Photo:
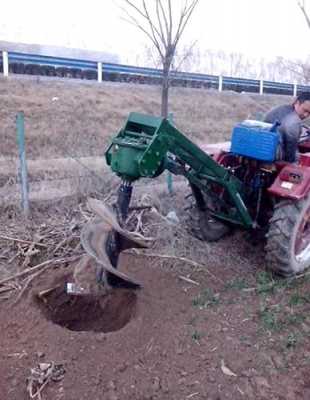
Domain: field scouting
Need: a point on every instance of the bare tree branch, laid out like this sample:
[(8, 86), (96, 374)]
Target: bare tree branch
[(185, 55), (159, 9), (159, 6), (187, 12), (155, 32), (132, 20), (157, 24), (146, 16), (170, 20), (301, 5)]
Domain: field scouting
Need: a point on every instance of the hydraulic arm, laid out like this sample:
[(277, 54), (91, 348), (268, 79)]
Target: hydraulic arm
[(146, 146)]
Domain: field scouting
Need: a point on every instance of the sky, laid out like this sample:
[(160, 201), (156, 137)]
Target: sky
[(256, 28)]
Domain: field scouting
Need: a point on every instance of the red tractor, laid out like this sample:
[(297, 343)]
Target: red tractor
[(239, 183)]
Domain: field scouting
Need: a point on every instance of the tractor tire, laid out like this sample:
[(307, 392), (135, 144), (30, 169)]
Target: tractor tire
[(204, 227), (212, 229), (288, 239)]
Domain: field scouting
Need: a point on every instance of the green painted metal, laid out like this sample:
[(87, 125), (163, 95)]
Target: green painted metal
[(124, 155), (141, 149), (169, 175)]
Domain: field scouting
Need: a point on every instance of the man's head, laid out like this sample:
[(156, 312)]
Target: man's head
[(302, 105)]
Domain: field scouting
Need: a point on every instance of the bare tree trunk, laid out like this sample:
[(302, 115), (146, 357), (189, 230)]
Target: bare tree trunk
[(165, 91), (164, 98)]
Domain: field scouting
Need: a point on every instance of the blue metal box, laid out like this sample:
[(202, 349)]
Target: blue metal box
[(256, 140)]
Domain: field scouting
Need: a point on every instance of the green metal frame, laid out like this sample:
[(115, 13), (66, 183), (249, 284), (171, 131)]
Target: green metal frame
[(148, 145)]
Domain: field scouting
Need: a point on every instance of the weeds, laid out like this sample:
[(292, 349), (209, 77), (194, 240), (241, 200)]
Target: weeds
[(245, 340), (275, 320), (281, 317), (193, 321), (295, 319), (292, 340), (270, 319), (196, 336), (265, 282), (297, 299), (206, 299), (237, 284)]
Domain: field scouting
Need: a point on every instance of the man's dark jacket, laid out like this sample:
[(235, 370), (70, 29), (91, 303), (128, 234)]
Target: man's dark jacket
[(290, 129)]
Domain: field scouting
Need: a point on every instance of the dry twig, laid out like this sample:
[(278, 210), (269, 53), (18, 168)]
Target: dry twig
[(183, 259), (86, 217), (66, 240), (44, 292), (8, 288), (29, 279), (37, 267), (41, 376), (184, 278), (139, 225), (30, 252), (22, 241)]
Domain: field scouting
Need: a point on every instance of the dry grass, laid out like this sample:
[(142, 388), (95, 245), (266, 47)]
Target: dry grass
[(86, 114)]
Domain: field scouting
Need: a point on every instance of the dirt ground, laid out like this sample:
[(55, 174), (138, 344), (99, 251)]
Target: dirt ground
[(209, 323)]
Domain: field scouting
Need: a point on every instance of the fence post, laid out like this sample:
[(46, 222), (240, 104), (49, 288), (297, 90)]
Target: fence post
[(99, 71), (5, 60), (169, 175), (261, 87), (22, 170), (220, 83), (295, 90)]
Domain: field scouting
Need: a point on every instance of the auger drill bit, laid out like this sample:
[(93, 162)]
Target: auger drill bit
[(123, 201), (116, 243), (104, 239)]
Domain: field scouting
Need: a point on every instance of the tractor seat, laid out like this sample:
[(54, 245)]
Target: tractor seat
[(215, 148)]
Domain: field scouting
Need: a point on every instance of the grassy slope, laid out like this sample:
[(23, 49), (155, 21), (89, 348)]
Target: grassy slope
[(85, 114)]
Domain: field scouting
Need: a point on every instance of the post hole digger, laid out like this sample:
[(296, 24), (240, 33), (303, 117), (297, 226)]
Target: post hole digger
[(244, 185)]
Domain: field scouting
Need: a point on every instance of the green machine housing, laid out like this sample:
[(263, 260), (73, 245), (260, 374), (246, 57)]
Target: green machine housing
[(147, 145)]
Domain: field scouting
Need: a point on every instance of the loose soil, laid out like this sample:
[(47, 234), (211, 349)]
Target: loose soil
[(172, 339)]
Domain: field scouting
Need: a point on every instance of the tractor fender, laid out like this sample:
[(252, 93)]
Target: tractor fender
[(293, 182)]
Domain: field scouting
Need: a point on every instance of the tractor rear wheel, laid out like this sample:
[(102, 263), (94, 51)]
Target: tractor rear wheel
[(288, 239), (205, 227), (201, 224)]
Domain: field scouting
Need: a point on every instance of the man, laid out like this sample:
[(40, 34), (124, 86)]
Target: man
[(290, 117)]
